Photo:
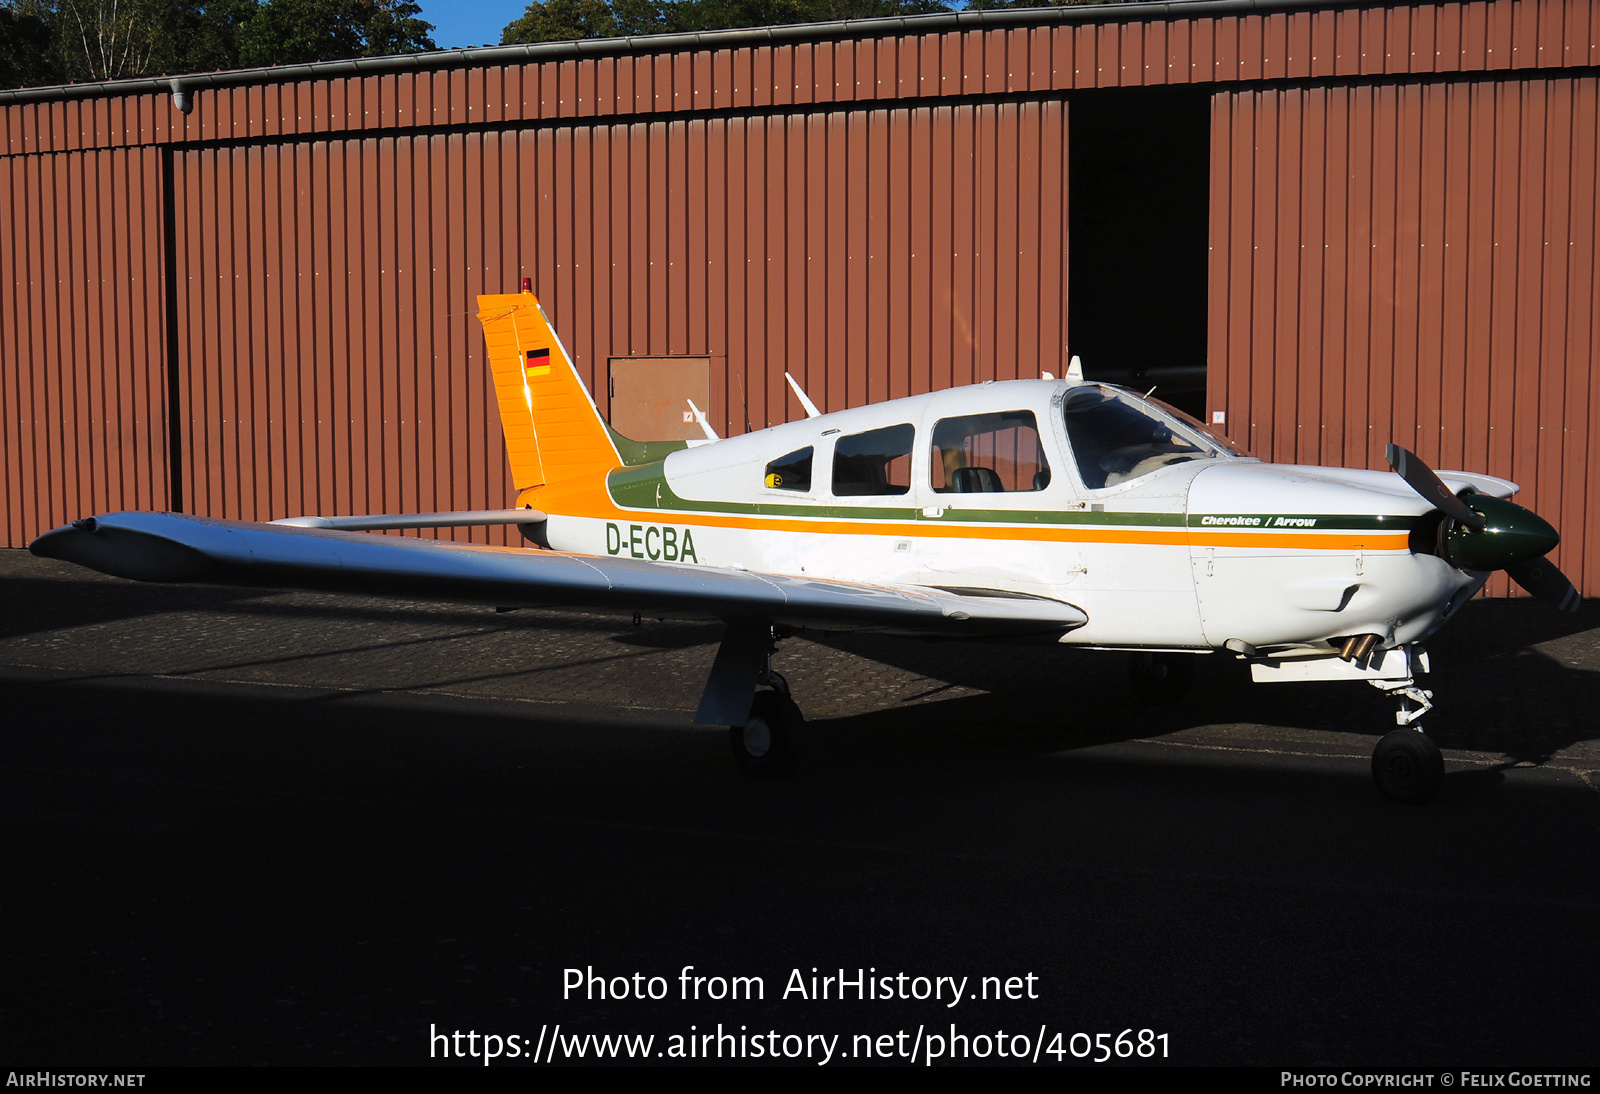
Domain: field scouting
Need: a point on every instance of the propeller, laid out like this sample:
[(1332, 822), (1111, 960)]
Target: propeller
[(1420, 477), (1482, 532), (1544, 581)]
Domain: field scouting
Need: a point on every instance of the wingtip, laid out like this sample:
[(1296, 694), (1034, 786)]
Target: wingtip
[(112, 548)]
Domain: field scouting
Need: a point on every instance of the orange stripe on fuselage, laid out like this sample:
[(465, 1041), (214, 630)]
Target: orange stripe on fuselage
[(581, 499)]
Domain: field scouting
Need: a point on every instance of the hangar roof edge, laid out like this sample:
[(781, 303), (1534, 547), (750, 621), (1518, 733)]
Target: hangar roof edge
[(709, 40)]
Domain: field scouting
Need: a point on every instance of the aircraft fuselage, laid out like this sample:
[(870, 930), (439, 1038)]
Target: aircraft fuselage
[(1013, 486)]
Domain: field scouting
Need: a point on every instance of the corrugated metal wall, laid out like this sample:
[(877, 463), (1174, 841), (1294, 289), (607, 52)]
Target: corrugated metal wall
[(1415, 263), (877, 215), (1364, 40), (82, 395), (331, 361)]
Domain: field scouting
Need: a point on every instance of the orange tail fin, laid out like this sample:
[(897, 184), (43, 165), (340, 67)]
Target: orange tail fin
[(553, 431)]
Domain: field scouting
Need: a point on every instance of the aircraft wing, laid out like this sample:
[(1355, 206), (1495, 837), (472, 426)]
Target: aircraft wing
[(178, 548)]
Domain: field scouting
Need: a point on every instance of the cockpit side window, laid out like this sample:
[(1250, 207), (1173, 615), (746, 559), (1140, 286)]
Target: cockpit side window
[(1117, 438), (873, 463), (791, 472), (988, 453)]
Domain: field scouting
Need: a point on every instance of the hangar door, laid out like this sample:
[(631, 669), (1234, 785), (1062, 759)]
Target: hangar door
[(329, 358), (1415, 263)]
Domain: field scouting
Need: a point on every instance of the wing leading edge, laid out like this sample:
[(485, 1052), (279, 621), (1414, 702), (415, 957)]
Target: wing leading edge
[(174, 547)]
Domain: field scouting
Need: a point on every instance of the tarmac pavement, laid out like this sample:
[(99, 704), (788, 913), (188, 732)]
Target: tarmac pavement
[(257, 827)]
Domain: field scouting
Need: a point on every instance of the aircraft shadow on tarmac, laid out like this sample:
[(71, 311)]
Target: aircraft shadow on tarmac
[(35, 604), (1494, 691), (1498, 686)]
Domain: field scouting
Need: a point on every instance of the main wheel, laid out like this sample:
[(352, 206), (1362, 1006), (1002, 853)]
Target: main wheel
[(1407, 767), (768, 744), (1161, 677)]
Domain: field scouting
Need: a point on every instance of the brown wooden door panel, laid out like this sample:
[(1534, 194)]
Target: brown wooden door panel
[(650, 396)]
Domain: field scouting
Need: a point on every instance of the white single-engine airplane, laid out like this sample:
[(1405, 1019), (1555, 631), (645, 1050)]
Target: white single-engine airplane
[(1059, 511)]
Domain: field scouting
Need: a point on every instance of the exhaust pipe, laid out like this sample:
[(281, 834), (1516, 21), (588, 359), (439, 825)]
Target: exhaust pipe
[(1357, 646)]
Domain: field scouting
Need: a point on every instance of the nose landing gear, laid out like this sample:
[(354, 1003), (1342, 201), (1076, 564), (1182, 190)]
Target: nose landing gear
[(1407, 765)]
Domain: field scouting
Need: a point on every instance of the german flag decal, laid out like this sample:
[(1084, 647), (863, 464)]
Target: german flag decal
[(538, 362)]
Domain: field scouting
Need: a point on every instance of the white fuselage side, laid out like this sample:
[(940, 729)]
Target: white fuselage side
[(1190, 555)]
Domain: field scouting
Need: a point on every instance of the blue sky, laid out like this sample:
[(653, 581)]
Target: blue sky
[(470, 22)]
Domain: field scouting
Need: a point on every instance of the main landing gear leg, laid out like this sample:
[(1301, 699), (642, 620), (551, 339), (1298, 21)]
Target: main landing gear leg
[(1407, 765), (770, 741), (765, 727)]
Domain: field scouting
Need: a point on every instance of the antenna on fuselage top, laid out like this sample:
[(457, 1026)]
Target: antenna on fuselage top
[(811, 408), (1075, 370), (711, 434)]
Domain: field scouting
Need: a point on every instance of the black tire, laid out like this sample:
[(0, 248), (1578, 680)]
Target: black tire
[(1161, 678), (1407, 767), (768, 744)]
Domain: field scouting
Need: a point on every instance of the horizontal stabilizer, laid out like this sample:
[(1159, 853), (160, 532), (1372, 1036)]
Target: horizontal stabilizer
[(377, 522), (176, 547)]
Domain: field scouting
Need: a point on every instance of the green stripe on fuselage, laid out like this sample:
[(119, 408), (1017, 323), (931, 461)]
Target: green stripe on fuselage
[(634, 452), (645, 487), (1298, 522)]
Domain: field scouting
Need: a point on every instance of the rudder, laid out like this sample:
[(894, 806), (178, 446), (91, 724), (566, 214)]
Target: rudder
[(553, 430)]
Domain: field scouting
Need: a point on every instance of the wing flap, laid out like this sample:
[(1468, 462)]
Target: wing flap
[(176, 547)]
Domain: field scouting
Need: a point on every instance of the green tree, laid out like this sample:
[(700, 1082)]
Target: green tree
[(25, 54), (562, 20), (394, 28), (301, 31), (108, 39), (725, 14), (53, 41), (206, 37)]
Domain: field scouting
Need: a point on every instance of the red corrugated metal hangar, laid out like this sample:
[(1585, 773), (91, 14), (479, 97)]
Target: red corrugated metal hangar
[(251, 294)]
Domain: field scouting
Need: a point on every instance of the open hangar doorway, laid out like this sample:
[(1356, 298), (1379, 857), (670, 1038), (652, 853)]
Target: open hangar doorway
[(1138, 207)]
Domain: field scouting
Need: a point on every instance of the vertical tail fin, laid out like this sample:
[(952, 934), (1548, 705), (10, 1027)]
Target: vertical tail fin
[(553, 431)]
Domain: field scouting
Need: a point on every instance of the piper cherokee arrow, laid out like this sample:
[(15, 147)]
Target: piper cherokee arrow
[(1052, 510)]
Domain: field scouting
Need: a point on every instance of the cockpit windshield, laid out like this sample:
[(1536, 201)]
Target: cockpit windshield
[(1211, 435), (1118, 437)]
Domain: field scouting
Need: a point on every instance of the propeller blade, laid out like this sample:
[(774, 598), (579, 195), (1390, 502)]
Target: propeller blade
[(1540, 577), (1420, 477)]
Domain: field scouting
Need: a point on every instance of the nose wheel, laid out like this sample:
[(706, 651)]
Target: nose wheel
[(1407, 766)]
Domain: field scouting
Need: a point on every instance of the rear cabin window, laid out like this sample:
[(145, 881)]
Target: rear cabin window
[(791, 472), (988, 453), (872, 463)]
